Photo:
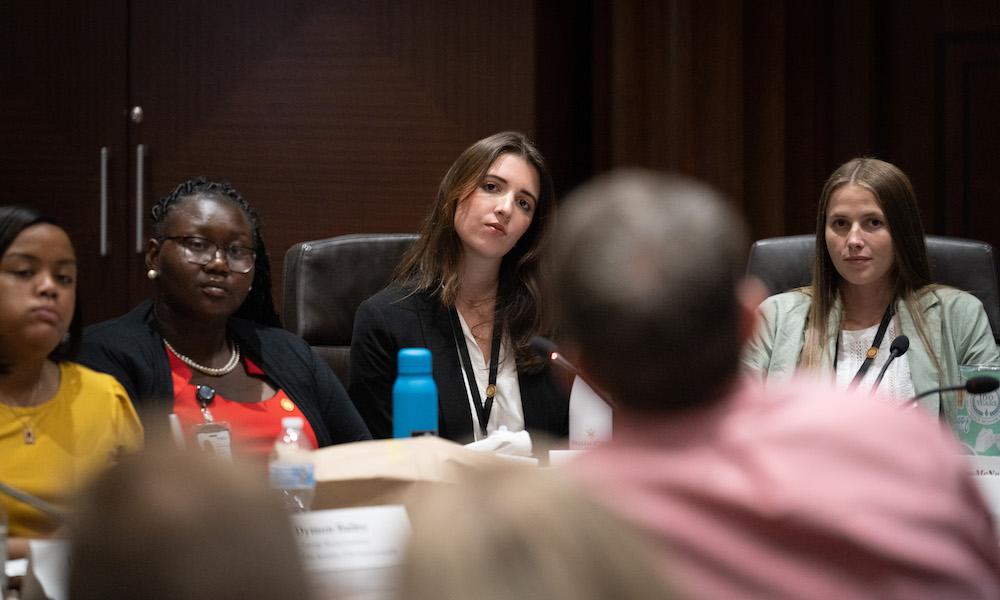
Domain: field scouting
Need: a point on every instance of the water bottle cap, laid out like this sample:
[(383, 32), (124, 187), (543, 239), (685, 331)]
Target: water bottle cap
[(414, 360), (292, 423)]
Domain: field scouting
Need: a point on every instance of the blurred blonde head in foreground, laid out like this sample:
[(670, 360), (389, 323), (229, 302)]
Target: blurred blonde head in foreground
[(527, 534), (183, 526)]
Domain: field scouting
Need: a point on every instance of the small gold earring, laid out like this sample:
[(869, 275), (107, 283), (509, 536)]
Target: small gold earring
[(152, 274)]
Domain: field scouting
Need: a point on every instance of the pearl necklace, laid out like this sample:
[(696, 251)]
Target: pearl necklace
[(223, 370)]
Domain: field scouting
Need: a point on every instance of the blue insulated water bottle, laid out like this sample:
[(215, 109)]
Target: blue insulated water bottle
[(414, 395)]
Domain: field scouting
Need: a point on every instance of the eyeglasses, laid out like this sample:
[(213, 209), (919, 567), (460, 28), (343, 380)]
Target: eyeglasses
[(199, 251)]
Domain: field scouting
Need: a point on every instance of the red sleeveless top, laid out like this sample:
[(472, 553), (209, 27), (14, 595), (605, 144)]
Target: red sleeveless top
[(253, 425)]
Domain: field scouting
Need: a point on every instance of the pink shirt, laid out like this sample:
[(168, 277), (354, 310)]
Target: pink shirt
[(800, 491)]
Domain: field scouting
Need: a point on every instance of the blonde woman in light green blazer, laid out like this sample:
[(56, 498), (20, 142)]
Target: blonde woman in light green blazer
[(870, 274)]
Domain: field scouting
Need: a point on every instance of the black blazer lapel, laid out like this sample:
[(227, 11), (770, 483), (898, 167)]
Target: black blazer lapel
[(454, 414)]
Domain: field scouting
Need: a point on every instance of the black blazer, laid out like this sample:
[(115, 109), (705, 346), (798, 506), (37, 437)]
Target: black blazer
[(395, 318), (130, 348)]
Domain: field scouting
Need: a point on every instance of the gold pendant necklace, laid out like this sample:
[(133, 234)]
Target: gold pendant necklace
[(27, 424)]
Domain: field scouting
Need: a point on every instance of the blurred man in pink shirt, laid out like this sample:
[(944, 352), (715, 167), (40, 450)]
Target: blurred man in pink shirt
[(796, 491)]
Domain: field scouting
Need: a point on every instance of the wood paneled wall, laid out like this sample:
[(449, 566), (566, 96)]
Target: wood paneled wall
[(341, 117), (765, 98)]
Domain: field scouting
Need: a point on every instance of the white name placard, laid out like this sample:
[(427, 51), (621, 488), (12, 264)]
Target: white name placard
[(590, 418), (985, 470), (353, 552)]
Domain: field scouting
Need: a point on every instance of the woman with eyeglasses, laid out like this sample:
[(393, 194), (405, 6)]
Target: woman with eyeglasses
[(208, 346)]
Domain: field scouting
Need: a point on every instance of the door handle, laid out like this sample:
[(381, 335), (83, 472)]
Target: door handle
[(104, 201), (140, 155)]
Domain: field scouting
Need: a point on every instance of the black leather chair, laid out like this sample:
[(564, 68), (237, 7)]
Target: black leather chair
[(784, 263), (326, 280)]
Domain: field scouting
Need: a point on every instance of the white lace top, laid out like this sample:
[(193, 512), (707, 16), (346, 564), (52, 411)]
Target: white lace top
[(853, 347)]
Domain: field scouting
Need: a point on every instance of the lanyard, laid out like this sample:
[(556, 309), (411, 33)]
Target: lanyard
[(873, 351), (484, 408)]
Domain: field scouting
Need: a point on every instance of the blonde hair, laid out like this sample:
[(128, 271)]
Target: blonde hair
[(525, 534), (163, 524)]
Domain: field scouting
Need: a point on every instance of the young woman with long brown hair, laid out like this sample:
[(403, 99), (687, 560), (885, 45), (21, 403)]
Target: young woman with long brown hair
[(468, 289)]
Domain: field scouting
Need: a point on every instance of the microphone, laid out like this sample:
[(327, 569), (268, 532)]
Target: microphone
[(548, 350), (976, 385), (898, 348)]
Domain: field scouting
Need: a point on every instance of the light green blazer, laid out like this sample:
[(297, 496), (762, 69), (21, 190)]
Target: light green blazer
[(954, 321)]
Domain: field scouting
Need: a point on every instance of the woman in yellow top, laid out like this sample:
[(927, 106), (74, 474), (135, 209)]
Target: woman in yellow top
[(59, 421)]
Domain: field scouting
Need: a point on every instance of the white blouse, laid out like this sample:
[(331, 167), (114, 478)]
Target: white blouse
[(853, 348), (507, 409)]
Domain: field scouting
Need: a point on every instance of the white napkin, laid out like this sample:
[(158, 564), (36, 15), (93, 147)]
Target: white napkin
[(504, 443)]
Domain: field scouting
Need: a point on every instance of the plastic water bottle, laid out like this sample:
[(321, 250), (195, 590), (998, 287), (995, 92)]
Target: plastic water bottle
[(291, 468), (414, 395)]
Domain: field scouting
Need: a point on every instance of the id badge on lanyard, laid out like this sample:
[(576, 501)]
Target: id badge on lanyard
[(212, 437)]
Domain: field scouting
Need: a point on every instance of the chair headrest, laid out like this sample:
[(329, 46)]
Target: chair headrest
[(785, 263), (326, 280)]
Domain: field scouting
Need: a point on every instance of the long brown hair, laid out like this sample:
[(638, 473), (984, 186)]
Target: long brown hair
[(910, 271), (433, 263)]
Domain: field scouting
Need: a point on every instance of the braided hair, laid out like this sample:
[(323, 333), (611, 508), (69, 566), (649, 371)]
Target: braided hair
[(258, 305)]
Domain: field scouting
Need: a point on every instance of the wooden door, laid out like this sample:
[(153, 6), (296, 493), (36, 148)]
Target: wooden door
[(62, 101)]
